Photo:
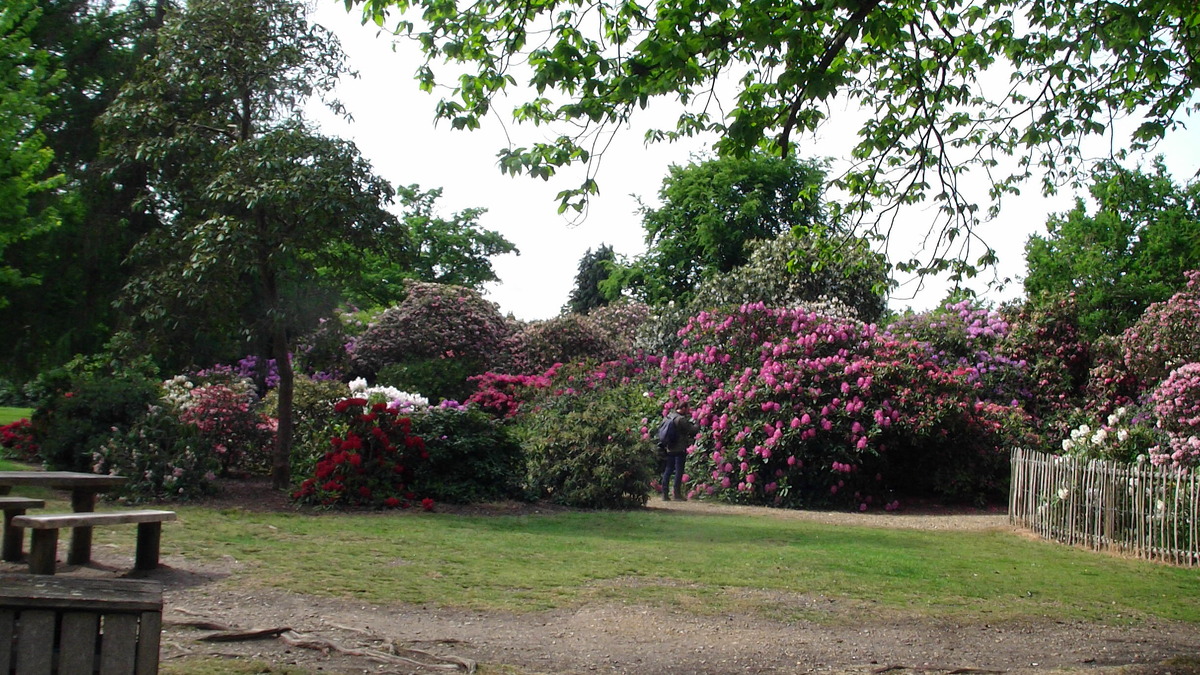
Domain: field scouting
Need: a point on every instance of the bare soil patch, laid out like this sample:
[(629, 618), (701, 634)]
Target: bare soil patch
[(620, 638)]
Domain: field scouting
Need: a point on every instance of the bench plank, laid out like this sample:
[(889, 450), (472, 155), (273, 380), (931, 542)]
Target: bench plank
[(118, 649), (36, 630), (14, 502), (58, 521), (22, 591), (77, 656), (43, 549), (8, 622)]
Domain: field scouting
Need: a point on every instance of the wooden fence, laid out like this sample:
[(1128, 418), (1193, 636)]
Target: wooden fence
[(1138, 509)]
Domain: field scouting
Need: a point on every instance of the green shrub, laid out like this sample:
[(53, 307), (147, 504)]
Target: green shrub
[(438, 379), (163, 458), (472, 457), (72, 425), (314, 420), (584, 449)]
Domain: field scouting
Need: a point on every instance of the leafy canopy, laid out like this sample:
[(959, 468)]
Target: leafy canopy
[(26, 84), (1131, 252), (250, 202), (711, 210), (946, 85)]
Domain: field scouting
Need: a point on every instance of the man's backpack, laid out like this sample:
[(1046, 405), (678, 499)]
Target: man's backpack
[(667, 433)]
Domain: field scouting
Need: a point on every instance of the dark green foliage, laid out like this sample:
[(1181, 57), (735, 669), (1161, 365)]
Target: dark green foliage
[(585, 450), (1132, 252), (710, 213), (594, 268), (78, 418), (472, 457), (80, 264), (437, 379), (312, 405)]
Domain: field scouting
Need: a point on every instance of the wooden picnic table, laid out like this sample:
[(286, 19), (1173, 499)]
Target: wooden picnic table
[(83, 486)]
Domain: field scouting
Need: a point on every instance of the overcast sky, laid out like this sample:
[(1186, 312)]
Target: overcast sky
[(393, 127)]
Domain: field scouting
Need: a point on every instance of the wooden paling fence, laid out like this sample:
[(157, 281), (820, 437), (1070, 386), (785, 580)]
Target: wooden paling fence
[(1139, 509)]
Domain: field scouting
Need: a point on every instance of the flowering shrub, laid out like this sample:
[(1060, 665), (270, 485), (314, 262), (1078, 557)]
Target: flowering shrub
[(621, 320), (797, 409), (563, 339), (963, 338), (1045, 335), (371, 464), (162, 458), (1123, 435), (18, 441), (472, 456), (502, 394), (391, 396), (1110, 383), (793, 270), (1166, 337), (434, 321), (222, 406), (1177, 406)]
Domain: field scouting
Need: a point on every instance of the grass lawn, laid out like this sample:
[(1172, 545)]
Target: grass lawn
[(703, 563), (10, 415)]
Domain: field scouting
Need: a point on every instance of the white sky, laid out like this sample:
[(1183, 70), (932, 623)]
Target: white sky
[(393, 128)]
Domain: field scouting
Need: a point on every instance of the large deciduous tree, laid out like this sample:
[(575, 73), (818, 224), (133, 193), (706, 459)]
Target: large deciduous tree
[(27, 79), (710, 211), (96, 47), (945, 84), (452, 251), (1131, 252), (250, 201)]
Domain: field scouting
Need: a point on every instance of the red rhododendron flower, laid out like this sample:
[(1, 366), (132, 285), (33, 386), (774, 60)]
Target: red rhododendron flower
[(364, 492), (427, 504), (391, 502)]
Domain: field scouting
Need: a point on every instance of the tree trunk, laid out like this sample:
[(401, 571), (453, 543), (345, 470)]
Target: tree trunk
[(281, 473)]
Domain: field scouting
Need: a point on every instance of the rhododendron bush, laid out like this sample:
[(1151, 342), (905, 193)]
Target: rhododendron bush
[(371, 464), (1177, 405), (433, 322), (223, 407), (161, 456), (1166, 337), (797, 409), (566, 338)]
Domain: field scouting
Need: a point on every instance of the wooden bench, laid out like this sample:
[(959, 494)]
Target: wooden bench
[(43, 547), (64, 625), (10, 550)]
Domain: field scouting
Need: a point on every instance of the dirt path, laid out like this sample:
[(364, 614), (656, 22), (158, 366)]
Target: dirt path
[(633, 639)]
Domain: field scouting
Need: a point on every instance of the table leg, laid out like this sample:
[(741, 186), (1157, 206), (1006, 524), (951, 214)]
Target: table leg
[(13, 536), (80, 553)]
